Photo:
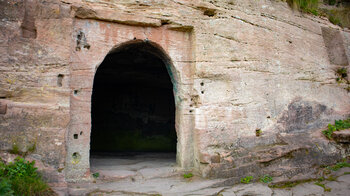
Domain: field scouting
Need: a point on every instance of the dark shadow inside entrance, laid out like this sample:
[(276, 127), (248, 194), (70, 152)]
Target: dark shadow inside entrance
[(133, 108)]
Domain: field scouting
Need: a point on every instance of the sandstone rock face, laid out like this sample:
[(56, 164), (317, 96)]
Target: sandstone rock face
[(237, 67), (342, 136)]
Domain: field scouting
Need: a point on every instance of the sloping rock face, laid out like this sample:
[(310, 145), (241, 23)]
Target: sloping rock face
[(254, 81), (342, 136)]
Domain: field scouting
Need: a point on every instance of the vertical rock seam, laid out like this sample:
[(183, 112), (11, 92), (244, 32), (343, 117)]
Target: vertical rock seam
[(335, 46), (28, 24)]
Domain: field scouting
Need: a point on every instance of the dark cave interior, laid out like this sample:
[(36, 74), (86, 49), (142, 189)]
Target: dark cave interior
[(133, 108)]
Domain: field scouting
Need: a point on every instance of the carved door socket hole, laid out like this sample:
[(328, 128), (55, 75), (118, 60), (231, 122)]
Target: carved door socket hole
[(81, 42), (81, 133), (209, 12), (202, 92), (75, 92), (76, 158), (60, 80), (75, 136), (202, 83)]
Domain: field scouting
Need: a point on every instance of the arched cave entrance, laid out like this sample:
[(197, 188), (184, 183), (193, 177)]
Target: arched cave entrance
[(133, 107)]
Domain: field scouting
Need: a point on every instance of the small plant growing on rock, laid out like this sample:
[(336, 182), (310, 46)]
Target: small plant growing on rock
[(31, 148), (326, 189), (331, 178), (266, 179), (328, 132), (246, 180), (342, 77), (96, 175), (339, 165), (342, 73), (21, 178), (188, 175), (338, 125), (15, 149), (60, 169)]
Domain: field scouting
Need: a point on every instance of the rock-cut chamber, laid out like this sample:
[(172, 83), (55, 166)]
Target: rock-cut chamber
[(133, 107)]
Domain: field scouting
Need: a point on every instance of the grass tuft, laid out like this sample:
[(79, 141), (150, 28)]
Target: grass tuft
[(338, 166), (333, 13), (27, 185), (307, 6), (15, 149), (289, 184), (188, 175), (334, 19)]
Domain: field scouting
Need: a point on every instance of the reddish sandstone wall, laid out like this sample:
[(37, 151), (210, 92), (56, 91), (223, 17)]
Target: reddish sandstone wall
[(242, 65), (35, 44)]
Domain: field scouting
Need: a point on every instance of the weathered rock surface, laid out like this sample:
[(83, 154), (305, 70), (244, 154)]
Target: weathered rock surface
[(239, 66), (54, 176), (171, 182), (342, 136), (251, 189)]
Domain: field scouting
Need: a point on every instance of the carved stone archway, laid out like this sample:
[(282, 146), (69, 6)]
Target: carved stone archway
[(94, 40)]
